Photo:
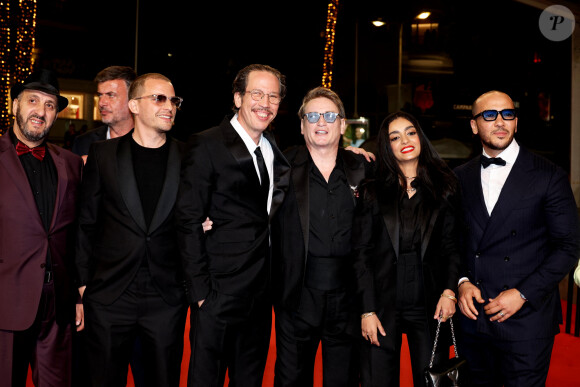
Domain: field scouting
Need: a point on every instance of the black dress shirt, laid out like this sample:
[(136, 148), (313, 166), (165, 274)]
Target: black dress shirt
[(331, 213)]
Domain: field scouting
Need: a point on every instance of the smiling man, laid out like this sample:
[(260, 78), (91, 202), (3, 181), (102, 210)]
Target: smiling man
[(235, 174), (38, 202), (127, 257), (521, 239), (311, 235)]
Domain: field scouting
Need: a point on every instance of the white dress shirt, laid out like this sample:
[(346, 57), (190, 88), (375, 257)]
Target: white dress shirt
[(494, 177), (267, 153)]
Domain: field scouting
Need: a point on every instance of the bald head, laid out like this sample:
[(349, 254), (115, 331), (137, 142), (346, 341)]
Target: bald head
[(480, 103)]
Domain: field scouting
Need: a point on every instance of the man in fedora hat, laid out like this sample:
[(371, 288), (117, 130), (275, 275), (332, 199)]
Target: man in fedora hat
[(40, 182)]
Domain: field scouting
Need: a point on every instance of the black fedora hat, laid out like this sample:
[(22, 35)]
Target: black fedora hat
[(41, 80)]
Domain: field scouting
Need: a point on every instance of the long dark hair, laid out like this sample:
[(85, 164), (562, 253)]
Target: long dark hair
[(433, 173)]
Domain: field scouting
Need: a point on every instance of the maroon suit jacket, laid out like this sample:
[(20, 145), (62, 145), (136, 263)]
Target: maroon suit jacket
[(24, 242)]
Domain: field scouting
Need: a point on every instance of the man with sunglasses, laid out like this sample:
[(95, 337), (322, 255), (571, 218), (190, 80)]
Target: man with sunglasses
[(521, 239), (127, 261), (235, 174), (311, 238)]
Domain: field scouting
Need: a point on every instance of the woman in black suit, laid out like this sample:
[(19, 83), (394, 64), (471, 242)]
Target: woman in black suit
[(407, 260)]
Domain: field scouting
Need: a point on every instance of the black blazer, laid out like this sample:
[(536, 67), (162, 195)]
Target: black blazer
[(219, 180), (530, 242), (291, 226), (376, 241), (82, 143), (113, 238)]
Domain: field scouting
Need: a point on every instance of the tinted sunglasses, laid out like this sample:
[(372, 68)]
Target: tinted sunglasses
[(491, 115), (329, 117), (160, 99)]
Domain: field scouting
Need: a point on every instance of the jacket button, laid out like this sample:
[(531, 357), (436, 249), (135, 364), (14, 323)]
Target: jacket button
[(478, 282), (477, 254), (42, 265), (506, 259), (514, 232), (505, 287)]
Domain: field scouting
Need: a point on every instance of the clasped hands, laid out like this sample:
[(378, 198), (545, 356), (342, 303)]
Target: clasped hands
[(500, 308)]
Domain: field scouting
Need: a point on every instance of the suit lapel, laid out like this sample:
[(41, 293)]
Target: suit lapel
[(128, 183), (427, 229), (281, 175), (390, 210), (62, 185), (170, 186), (516, 185), (301, 181), (472, 191), (240, 152), (13, 167), (353, 169)]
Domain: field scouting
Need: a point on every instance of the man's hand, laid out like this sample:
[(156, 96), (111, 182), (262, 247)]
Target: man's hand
[(505, 305), (370, 328), (467, 292), (207, 225), (80, 317), (80, 311), (361, 151)]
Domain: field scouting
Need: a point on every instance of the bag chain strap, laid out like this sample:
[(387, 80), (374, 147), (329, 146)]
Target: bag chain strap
[(437, 339)]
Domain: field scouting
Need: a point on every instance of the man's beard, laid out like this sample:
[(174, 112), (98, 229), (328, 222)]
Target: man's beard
[(29, 135)]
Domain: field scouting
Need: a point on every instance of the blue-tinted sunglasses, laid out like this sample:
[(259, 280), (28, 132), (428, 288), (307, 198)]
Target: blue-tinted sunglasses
[(491, 115), (329, 117)]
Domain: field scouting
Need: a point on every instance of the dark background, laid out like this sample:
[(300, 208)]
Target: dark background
[(494, 44)]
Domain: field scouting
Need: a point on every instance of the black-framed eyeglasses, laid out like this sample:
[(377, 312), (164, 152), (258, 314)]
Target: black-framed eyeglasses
[(160, 99), (258, 95), (491, 115), (329, 117)]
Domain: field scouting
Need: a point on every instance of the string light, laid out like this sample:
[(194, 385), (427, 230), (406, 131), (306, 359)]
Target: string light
[(17, 29), (329, 45)]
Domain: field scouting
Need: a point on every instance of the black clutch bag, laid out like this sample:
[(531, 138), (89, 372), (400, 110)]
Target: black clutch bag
[(450, 372)]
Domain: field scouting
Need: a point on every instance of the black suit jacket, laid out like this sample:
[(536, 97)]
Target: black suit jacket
[(82, 143), (291, 226), (113, 238), (376, 242), (219, 180), (530, 242)]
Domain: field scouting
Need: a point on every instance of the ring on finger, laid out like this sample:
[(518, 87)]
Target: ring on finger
[(501, 314)]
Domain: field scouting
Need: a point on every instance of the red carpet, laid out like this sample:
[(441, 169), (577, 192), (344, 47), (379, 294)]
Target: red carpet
[(564, 368)]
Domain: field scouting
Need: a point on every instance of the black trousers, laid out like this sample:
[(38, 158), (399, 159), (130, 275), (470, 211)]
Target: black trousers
[(496, 363), (380, 366), (229, 333), (326, 318), (111, 331)]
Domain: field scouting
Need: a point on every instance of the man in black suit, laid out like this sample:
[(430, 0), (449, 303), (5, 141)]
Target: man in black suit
[(235, 174), (521, 239), (113, 85), (127, 251), (311, 235)]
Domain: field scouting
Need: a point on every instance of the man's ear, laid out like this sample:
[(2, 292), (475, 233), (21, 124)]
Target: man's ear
[(133, 106)]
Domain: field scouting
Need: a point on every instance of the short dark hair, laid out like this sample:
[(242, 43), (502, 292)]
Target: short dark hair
[(112, 73), (139, 83), (241, 80), (322, 92)]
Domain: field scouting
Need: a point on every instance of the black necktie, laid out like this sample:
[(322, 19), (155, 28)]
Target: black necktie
[(264, 178), (486, 161)]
